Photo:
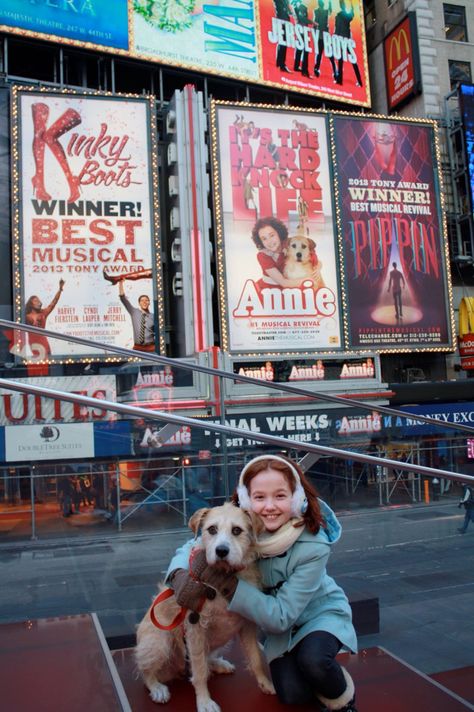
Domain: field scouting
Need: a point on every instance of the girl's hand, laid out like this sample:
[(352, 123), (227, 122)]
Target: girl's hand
[(188, 592), (220, 580)]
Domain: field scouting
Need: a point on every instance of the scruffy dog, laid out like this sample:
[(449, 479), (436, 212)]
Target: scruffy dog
[(301, 260), (227, 538)]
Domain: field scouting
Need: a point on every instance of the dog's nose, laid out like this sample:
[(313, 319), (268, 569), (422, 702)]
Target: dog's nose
[(222, 550), (299, 255)]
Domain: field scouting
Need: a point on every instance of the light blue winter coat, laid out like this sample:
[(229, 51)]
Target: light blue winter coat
[(299, 597)]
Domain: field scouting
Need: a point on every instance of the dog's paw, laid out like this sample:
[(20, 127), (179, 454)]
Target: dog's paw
[(207, 705), (160, 693), (266, 686), (221, 666)]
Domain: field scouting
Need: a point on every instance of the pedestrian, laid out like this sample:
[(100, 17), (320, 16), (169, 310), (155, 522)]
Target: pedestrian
[(467, 501), (303, 612)]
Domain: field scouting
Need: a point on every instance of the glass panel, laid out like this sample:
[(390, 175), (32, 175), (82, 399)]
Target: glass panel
[(96, 494), (455, 23), (459, 72)]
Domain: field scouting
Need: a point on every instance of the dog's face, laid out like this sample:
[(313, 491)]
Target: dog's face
[(300, 249), (227, 535)]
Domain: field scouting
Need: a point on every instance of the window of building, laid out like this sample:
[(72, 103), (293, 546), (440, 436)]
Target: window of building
[(459, 72), (369, 14), (455, 27)]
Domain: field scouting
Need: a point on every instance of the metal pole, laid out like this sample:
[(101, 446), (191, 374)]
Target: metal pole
[(183, 485), (33, 513), (224, 440), (119, 513)]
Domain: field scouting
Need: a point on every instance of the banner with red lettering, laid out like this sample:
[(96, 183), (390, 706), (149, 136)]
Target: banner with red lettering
[(85, 208), (278, 276), (394, 246), (29, 409)]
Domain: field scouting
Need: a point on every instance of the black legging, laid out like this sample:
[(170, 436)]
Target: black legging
[(309, 669)]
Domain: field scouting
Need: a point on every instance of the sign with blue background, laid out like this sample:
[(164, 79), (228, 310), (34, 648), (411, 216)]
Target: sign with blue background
[(76, 20)]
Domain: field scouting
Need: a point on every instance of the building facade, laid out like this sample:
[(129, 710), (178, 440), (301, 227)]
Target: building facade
[(168, 154)]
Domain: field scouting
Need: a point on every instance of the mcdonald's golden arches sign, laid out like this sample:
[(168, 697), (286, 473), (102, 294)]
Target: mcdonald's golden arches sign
[(402, 62)]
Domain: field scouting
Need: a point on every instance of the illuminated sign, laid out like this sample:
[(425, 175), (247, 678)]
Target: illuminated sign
[(394, 247), (265, 373), (358, 370), (402, 62), (466, 96), (470, 448), (87, 251), (83, 22), (324, 46), (315, 372)]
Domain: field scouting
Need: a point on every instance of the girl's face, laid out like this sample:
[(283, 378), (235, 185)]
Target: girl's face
[(270, 238), (270, 498)]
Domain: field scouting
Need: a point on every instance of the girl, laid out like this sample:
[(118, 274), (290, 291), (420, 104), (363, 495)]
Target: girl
[(270, 236), (306, 616)]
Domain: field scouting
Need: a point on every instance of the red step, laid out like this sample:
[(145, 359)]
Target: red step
[(383, 684), (57, 664), (460, 681)]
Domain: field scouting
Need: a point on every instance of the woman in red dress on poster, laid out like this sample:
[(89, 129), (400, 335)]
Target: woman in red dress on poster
[(35, 315)]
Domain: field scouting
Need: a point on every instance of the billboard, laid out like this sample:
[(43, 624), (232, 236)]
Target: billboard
[(324, 47), (402, 62), (85, 218), (315, 46), (84, 22), (466, 94), (218, 37), (278, 275), (394, 248)]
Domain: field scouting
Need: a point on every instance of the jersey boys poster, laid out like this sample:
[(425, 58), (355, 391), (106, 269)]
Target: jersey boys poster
[(394, 250), (316, 45), (277, 245), (85, 220)]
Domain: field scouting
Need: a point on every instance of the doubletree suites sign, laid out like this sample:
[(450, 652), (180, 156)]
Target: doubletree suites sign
[(290, 371)]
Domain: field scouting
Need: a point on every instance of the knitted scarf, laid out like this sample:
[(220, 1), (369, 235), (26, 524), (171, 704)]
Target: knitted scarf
[(276, 543)]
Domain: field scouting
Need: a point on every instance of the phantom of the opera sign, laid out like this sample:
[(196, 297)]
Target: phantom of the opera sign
[(276, 235), (85, 221)]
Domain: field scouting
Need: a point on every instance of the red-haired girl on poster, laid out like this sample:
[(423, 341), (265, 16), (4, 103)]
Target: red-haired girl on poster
[(270, 236)]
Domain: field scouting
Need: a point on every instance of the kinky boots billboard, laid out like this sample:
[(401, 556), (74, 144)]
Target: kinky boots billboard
[(85, 221)]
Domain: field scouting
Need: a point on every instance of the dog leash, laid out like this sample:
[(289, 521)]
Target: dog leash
[(180, 616), (177, 620)]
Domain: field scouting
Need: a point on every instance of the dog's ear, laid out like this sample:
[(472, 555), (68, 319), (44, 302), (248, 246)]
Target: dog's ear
[(256, 522), (312, 244), (196, 521)]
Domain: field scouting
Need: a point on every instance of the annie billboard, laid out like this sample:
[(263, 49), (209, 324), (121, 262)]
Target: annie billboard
[(278, 283), (85, 221), (394, 246)]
